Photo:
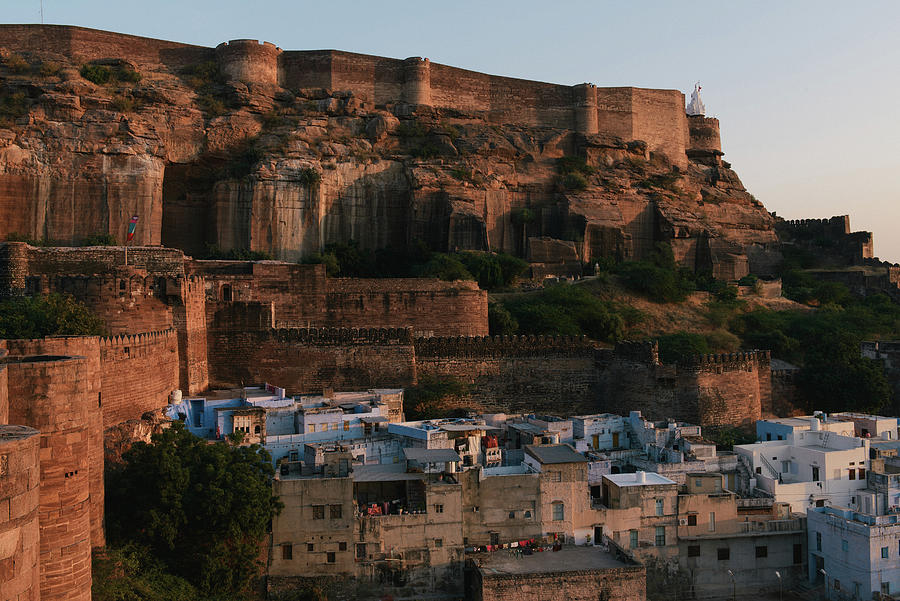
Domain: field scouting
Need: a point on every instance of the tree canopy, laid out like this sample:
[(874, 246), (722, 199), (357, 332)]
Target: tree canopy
[(51, 315), (201, 509)]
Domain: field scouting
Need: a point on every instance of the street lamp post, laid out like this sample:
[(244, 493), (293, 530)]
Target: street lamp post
[(824, 573), (733, 586), (780, 586)]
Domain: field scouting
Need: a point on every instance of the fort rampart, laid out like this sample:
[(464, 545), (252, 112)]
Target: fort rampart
[(719, 389), (51, 394), (89, 348), (655, 116), (19, 526)]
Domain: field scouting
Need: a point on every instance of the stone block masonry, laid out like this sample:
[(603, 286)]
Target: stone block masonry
[(89, 348), (19, 528), (308, 360), (710, 390), (51, 394)]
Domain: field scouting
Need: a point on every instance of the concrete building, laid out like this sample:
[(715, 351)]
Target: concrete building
[(570, 574), (656, 499), (783, 428), (284, 425), (812, 468), (858, 552), (717, 532)]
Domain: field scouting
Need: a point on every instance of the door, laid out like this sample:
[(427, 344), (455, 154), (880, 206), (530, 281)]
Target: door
[(615, 440), (596, 441)]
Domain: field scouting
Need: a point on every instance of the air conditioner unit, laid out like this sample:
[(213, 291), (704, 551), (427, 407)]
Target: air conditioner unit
[(682, 522)]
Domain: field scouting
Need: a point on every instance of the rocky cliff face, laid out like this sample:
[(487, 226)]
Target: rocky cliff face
[(202, 160)]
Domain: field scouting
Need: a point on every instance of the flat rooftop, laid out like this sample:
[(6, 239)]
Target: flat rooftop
[(635, 479), (555, 453), (569, 559)]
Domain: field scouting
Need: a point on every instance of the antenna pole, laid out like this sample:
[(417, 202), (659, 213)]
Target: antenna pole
[(42, 12)]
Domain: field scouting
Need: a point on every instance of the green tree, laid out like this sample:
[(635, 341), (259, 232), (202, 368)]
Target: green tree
[(202, 509), (51, 315), (131, 573), (500, 320)]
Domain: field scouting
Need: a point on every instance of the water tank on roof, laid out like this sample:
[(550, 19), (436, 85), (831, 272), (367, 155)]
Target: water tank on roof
[(175, 397), (640, 477), (814, 424)]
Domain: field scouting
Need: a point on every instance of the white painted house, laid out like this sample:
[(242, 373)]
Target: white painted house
[(859, 553), (813, 468)]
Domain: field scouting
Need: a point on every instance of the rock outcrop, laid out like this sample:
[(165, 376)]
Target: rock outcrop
[(203, 160)]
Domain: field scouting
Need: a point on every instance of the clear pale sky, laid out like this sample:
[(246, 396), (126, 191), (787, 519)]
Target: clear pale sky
[(807, 92)]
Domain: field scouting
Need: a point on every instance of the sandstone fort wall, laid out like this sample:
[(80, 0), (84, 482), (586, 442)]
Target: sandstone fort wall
[(309, 360), (139, 371), (89, 348), (656, 116), (721, 389), (50, 394), (19, 501), (83, 44)]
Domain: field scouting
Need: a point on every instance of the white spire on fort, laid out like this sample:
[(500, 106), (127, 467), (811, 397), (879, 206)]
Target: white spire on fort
[(695, 106)]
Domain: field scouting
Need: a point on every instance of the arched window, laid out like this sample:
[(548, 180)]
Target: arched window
[(256, 430), (559, 511), (226, 293)]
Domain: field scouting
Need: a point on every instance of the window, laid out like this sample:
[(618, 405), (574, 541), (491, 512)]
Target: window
[(581, 476), (633, 539), (762, 551), (439, 509), (712, 521), (844, 545), (885, 588), (336, 512), (360, 550), (852, 474), (287, 551), (723, 553), (798, 553), (512, 515), (694, 551), (659, 507), (556, 477), (329, 557), (818, 541), (438, 542), (862, 473), (333, 426), (310, 547), (310, 428), (768, 436), (527, 514), (660, 536), (884, 552), (692, 519), (318, 512), (342, 546), (815, 473), (698, 483), (559, 512), (837, 584), (346, 426)]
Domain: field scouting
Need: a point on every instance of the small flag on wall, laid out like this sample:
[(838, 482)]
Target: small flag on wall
[(132, 225)]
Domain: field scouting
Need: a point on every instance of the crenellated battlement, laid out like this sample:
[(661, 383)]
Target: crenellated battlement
[(139, 340), (839, 224), (504, 346), (342, 336), (249, 61), (728, 361)]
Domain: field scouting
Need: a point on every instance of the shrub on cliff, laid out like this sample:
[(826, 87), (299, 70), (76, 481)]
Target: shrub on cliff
[(16, 63), (424, 400), (99, 240), (567, 310), (131, 573), (110, 74), (51, 315), (202, 509), (12, 106)]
